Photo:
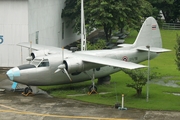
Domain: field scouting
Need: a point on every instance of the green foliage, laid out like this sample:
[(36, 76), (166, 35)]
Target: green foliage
[(99, 45), (139, 77), (170, 9), (109, 14), (177, 52), (160, 97)]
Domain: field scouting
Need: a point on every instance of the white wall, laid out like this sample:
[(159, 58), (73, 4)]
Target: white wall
[(45, 17), (14, 29), (21, 19)]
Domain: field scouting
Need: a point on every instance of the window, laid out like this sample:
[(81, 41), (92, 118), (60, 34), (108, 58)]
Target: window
[(44, 63), (36, 62), (40, 62)]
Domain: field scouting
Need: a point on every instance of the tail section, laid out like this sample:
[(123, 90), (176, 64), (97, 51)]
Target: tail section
[(149, 35)]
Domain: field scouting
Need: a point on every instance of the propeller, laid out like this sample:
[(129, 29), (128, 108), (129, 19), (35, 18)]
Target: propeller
[(63, 66), (29, 58)]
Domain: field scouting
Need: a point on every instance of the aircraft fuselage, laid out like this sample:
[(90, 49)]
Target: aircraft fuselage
[(35, 74)]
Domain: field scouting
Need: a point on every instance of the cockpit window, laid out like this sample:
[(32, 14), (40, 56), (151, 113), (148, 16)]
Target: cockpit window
[(40, 62), (44, 63), (36, 62)]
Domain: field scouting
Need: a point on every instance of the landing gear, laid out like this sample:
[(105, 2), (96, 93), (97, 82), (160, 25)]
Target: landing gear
[(27, 91), (93, 88)]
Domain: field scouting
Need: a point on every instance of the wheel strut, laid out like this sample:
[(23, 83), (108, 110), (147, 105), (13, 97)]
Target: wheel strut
[(93, 88)]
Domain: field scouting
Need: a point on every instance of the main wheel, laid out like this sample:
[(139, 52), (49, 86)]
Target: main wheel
[(91, 88)]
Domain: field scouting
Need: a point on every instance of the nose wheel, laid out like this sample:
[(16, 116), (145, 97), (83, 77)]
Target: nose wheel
[(27, 91)]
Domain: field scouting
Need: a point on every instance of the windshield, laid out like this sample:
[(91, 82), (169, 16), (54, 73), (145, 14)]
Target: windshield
[(40, 62)]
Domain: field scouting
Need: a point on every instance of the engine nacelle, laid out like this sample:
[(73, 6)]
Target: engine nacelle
[(35, 54), (74, 65)]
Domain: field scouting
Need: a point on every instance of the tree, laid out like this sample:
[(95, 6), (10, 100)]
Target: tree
[(139, 77), (177, 52), (99, 45), (170, 9), (107, 14)]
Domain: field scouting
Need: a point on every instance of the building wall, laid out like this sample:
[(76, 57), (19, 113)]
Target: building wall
[(38, 21), (13, 29), (45, 23)]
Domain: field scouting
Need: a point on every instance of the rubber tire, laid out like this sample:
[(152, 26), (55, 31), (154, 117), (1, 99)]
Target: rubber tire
[(91, 88), (27, 90)]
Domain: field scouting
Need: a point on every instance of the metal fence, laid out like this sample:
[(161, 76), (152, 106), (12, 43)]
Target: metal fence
[(171, 26)]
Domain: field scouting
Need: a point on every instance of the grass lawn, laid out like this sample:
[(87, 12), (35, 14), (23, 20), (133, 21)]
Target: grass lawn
[(160, 97)]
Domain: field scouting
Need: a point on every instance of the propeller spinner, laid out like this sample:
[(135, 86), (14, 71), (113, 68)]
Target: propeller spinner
[(63, 67)]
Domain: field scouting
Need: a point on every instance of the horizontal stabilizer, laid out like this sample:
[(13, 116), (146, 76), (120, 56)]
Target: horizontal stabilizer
[(153, 49)]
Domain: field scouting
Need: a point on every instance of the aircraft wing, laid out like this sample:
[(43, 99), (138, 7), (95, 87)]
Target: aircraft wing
[(153, 49), (85, 57), (38, 47), (108, 61)]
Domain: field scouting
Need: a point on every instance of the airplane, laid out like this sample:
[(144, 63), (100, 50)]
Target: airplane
[(54, 66)]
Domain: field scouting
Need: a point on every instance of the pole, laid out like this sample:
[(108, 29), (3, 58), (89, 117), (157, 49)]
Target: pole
[(122, 106), (122, 101), (82, 26), (147, 99), (83, 30)]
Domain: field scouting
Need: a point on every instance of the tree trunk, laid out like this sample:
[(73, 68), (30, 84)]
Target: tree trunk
[(108, 32), (139, 91)]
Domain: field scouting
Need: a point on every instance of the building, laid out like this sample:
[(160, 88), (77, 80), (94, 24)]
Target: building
[(38, 21)]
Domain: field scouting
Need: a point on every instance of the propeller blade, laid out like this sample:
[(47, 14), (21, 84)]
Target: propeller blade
[(67, 74), (30, 47), (57, 70), (62, 66), (29, 58)]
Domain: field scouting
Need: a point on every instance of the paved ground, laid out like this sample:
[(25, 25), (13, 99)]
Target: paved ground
[(41, 106)]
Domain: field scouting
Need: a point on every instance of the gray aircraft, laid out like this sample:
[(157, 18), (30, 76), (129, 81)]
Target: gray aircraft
[(53, 66)]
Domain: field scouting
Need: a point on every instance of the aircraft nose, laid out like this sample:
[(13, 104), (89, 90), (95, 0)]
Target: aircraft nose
[(14, 72)]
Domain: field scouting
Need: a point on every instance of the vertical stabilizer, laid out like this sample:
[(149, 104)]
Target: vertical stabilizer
[(149, 34)]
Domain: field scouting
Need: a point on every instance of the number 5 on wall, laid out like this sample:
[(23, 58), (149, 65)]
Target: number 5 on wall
[(1, 39)]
